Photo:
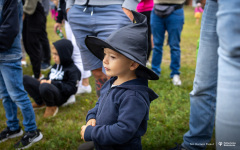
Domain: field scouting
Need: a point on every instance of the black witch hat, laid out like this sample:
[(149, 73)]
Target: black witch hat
[(130, 41)]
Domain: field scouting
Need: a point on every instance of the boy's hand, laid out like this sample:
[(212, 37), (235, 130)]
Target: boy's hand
[(83, 128), (91, 122), (45, 81)]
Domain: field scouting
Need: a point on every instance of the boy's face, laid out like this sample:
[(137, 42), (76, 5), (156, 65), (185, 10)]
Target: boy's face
[(115, 63), (55, 56)]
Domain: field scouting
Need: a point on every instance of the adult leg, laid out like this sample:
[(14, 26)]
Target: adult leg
[(203, 95), (158, 29), (9, 106), (77, 57), (46, 58), (174, 24), (32, 27), (31, 85), (80, 30), (13, 80), (228, 89)]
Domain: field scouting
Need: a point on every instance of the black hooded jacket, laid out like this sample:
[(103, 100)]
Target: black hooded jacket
[(66, 75)]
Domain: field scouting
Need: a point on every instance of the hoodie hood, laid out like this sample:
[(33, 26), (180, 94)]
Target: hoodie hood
[(64, 48), (140, 85)]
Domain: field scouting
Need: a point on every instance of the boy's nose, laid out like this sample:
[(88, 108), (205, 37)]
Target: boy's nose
[(105, 60)]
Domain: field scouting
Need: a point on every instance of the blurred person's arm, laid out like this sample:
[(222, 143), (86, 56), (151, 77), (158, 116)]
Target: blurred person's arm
[(129, 5), (30, 6), (58, 23), (9, 27), (69, 4)]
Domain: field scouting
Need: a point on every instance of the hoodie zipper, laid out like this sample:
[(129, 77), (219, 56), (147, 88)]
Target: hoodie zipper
[(103, 101)]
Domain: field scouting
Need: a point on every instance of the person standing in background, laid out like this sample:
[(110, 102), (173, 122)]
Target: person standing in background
[(98, 18), (34, 30), (84, 86), (46, 52), (198, 12), (12, 91), (167, 15)]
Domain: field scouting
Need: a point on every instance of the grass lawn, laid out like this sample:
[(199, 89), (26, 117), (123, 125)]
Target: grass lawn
[(169, 114)]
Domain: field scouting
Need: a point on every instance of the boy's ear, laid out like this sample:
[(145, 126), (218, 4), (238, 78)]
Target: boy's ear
[(134, 65)]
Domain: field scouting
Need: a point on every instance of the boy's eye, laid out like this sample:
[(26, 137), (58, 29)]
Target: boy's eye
[(113, 57)]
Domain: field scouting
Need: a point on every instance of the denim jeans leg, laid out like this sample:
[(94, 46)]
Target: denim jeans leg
[(12, 77), (158, 30), (228, 89), (9, 106), (174, 25), (203, 95)]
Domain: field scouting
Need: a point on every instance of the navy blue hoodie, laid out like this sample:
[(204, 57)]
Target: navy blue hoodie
[(121, 115)]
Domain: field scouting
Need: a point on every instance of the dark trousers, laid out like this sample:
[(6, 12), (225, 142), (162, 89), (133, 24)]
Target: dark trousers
[(42, 93), (34, 34), (46, 53), (148, 15)]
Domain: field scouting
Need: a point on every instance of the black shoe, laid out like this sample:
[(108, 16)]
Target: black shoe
[(28, 139), (45, 66), (7, 133), (86, 146), (178, 147)]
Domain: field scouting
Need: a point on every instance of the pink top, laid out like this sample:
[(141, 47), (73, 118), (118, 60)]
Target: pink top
[(145, 5), (198, 9)]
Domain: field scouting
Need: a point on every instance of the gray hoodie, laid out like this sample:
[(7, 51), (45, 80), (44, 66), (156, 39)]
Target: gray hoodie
[(129, 4)]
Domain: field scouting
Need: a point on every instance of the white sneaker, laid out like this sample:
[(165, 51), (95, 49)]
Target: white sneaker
[(71, 100), (149, 64), (84, 89), (24, 63), (176, 80), (40, 78)]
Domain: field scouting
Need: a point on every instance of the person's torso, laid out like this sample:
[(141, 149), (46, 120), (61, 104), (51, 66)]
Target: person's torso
[(15, 52), (169, 1), (145, 5), (108, 113), (98, 2), (60, 73)]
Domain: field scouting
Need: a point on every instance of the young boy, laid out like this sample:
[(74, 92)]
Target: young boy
[(61, 83), (12, 91), (120, 116)]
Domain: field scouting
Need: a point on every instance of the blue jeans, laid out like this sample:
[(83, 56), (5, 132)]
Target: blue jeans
[(173, 24), (13, 94), (203, 95), (228, 89), (99, 21)]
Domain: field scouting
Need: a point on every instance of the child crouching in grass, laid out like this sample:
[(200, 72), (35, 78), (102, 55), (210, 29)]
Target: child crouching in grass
[(120, 116), (61, 83)]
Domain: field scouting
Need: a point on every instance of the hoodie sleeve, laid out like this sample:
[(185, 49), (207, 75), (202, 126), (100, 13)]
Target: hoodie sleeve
[(30, 6), (130, 4), (127, 124), (9, 28), (92, 113), (68, 87)]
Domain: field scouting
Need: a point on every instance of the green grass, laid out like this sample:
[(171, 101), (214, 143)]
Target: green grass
[(169, 114)]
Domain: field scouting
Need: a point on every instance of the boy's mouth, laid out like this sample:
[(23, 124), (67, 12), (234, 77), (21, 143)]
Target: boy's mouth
[(106, 69)]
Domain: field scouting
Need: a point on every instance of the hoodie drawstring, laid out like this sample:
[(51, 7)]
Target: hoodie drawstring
[(86, 8), (56, 73)]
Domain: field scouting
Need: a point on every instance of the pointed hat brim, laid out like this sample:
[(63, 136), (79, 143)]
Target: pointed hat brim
[(96, 46)]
